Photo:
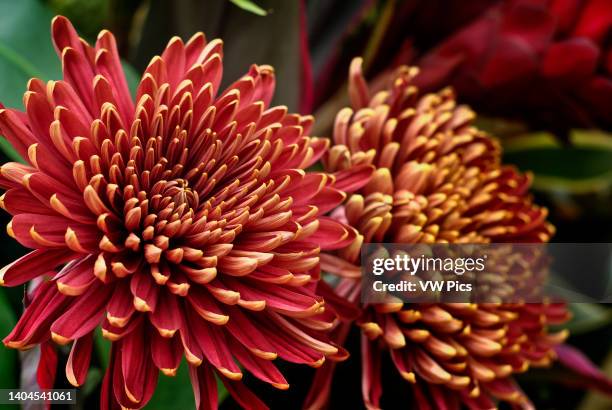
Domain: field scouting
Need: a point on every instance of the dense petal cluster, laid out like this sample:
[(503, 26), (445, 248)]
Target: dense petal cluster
[(182, 223), (513, 60), (437, 179)]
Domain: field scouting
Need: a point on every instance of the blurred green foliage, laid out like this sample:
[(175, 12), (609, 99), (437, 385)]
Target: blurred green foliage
[(89, 16), (23, 54), (8, 358), (584, 165), (250, 6)]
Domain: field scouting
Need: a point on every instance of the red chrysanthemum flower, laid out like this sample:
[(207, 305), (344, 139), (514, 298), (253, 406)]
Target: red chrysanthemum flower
[(438, 179), (182, 223)]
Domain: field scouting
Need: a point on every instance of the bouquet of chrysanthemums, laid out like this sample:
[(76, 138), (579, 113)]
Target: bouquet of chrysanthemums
[(186, 224)]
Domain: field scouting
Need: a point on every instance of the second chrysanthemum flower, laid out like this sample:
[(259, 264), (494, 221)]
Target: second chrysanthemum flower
[(438, 179)]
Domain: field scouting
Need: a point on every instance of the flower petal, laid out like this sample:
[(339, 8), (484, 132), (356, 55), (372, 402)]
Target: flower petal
[(32, 265), (83, 315), (78, 360), (204, 386)]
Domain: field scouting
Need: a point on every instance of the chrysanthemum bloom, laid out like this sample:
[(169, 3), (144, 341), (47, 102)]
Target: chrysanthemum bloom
[(437, 179), (182, 223)]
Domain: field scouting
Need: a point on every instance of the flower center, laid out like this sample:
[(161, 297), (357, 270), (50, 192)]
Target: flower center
[(172, 201), (179, 193)]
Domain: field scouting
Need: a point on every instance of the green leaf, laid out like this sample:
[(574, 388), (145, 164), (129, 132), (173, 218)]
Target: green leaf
[(587, 317), (583, 166), (132, 77), (176, 392), (9, 151), (93, 380), (103, 347), (8, 357), (26, 50), (89, 16), (376, 38), (250, 6), (173, 392)]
